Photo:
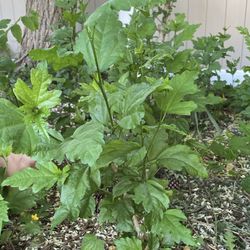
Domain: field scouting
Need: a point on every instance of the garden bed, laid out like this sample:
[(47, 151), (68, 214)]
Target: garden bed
[(218, 211)]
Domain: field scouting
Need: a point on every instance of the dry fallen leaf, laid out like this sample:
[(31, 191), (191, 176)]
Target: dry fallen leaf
[(229, 167)]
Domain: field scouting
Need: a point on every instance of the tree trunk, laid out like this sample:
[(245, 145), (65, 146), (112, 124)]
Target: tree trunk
[(49, 14)]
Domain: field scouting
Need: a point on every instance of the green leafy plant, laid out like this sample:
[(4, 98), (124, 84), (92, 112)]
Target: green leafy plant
[(132, 100), (240, 97), (7, 64), (230, 240)]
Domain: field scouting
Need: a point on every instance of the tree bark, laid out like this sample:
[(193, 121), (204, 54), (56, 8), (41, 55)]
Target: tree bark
[(49, 14)]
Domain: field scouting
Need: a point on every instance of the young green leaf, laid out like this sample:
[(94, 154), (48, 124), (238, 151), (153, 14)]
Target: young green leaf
[(119, 211), (37, 101), (88, 206), (172, 101), (128, 244), (44, 176), (3, 39), (202, 100), (20, 201), (91, 242), (56, 60), (4, 23), (17, 32), (181, 156), (107, 39), (95, 102), (171, 225), (3, 212), (73, 191), (85, 144), (116, 150), (31, 21), (66, 4), (229, 240), (13, 128), (123, 186), (152, 196), (131, 104)]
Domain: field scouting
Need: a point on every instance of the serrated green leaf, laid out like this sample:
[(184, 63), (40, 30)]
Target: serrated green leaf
[(136, 94), (31, 21), (4, 23), (186, 34), (91, 242), (116, 150), (172, 101), (85, 144), (13, 128), (37, 100), (181, 156), (20, 201), (123, 186), (128, 244), (136, 157), (160, 136), (3, 212), (53, 58), (17, 32), (66, 4), (230, 240), (132, 120), (3, 39), (202, 100), (130, 106), (73, 191), (119, 211), (95, 102), (88, 205), (171, 225), (152, 196), (44, 176), (108, 41)]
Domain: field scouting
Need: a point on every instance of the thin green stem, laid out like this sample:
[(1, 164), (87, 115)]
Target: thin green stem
[(152, 143), (100, 80)]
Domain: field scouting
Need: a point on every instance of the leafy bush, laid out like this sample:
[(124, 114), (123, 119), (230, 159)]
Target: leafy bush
[(124, 139), (7, 65), (105, 109)]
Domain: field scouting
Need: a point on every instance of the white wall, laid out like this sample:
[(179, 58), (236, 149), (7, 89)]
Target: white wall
[(12, 9), (212, 14)]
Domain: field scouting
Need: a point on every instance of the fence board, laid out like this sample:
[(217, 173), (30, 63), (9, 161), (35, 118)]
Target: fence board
[(235, 17), (245, 52), (182, 7), (197, 15), (215, 16)]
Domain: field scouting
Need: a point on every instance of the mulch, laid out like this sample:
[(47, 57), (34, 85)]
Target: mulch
[(215, 207)]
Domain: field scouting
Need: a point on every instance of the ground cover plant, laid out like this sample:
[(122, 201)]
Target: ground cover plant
[(105, 113)]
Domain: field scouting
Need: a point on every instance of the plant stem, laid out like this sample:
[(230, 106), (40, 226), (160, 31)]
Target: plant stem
[(152, 142), (100, 80)]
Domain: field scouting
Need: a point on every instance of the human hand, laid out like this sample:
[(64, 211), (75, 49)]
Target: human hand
[(16, 162)]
